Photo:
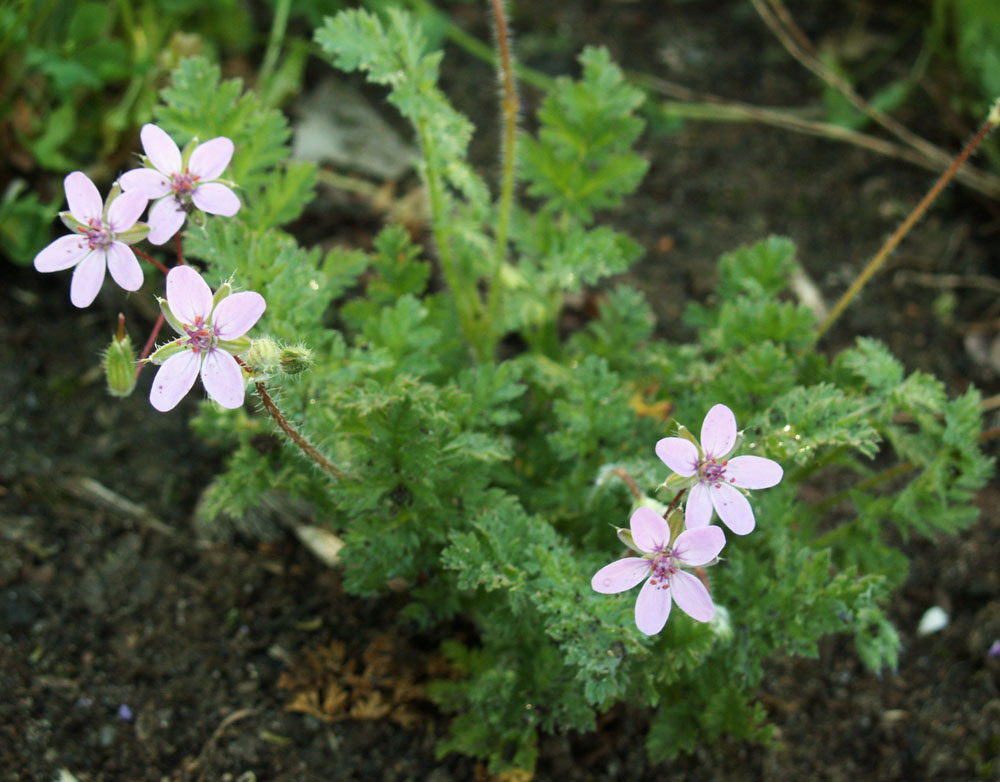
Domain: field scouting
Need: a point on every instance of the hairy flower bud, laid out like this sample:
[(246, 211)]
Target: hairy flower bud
[(119, 363), (263, 356), (295, 359)]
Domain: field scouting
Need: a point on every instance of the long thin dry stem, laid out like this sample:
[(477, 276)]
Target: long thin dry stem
[(893, 241)]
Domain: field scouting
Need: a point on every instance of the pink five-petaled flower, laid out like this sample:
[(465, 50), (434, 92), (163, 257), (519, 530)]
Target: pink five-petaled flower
[(100, 239), (174, 181), (716, 479), (212, 330), (662, 561)]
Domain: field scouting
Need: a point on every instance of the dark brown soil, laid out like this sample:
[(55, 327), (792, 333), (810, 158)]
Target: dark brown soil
[(130, 649)]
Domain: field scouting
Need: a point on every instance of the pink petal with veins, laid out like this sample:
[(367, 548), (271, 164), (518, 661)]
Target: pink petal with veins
[(649, 531), (718, 431), (188, 295), (223, 379), (160, 149), (652, 608), (85, 202), (148, 181), (173, 380), (733, 508), (236, 314), (87, 279), (698, 511), (64, 252), (125, 210), (211, 158), (216, 199), (124, 266), (678, 454), (165, 219), (691, 596), (754, 472), (699, 546), (621, 575)]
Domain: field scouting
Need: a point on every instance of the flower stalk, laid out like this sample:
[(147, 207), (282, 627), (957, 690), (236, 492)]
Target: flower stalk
[(918, 211), (294, 435)]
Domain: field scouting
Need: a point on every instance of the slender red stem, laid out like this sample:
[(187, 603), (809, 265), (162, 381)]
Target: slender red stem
[(151, 259), (180, 252), (676, 501), (632, 487), (149, 344)]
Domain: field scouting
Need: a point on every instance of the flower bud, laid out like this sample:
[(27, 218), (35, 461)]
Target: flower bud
[(295, 359), (263, 356), (119, 363)]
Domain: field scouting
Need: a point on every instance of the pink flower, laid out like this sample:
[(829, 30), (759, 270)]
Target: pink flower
[(177, 183), (212, 332), (100, 239), (714, 478), (662, 561)]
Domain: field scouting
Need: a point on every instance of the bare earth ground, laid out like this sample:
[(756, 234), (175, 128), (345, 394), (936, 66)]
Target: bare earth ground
[(130, 650)]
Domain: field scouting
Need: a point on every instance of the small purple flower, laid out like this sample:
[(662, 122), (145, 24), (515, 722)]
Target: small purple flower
[(125, 713), (994, 650), (177, 183), (713, 477), (661, 561), (212, 332), (101, 235)]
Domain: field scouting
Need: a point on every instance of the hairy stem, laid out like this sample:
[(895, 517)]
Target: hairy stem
[(294, 435), (893, 241), (509, 109)]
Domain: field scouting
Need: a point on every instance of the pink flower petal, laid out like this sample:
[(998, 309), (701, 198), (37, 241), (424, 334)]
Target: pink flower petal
[(216, 199), (64, 252), (691, 596), (733, 508), (165, 219), (188, 295), (621, 575), (211, 158), (754, 472), (85, 202), (235, 315), (148, 181), (649, 530), (160, 149), (124, 266), (652, 607), (87, 279), (125, 210), (718, 431), (678, 454), (698, 511), (699, 546), (223, 379), (173, 380)]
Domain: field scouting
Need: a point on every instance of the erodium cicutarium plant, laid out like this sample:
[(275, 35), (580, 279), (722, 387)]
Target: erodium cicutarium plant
[(465, 400)]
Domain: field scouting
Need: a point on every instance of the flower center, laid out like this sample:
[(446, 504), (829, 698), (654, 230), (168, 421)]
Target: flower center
[(663, 567), (201, 336), (713, 472), (183, 184), (98, 236)]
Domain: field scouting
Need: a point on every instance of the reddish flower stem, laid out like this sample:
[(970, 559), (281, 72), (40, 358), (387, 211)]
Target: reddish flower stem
[(675, 503), (304, 445), (180, 252), (151, 259), (149, 344), (632, 487)]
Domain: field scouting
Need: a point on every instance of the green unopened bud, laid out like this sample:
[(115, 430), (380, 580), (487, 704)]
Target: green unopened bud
[(263, 356), (295, 359), (119, 363)]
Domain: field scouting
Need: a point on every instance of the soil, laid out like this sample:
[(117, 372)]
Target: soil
[(133, 648)]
